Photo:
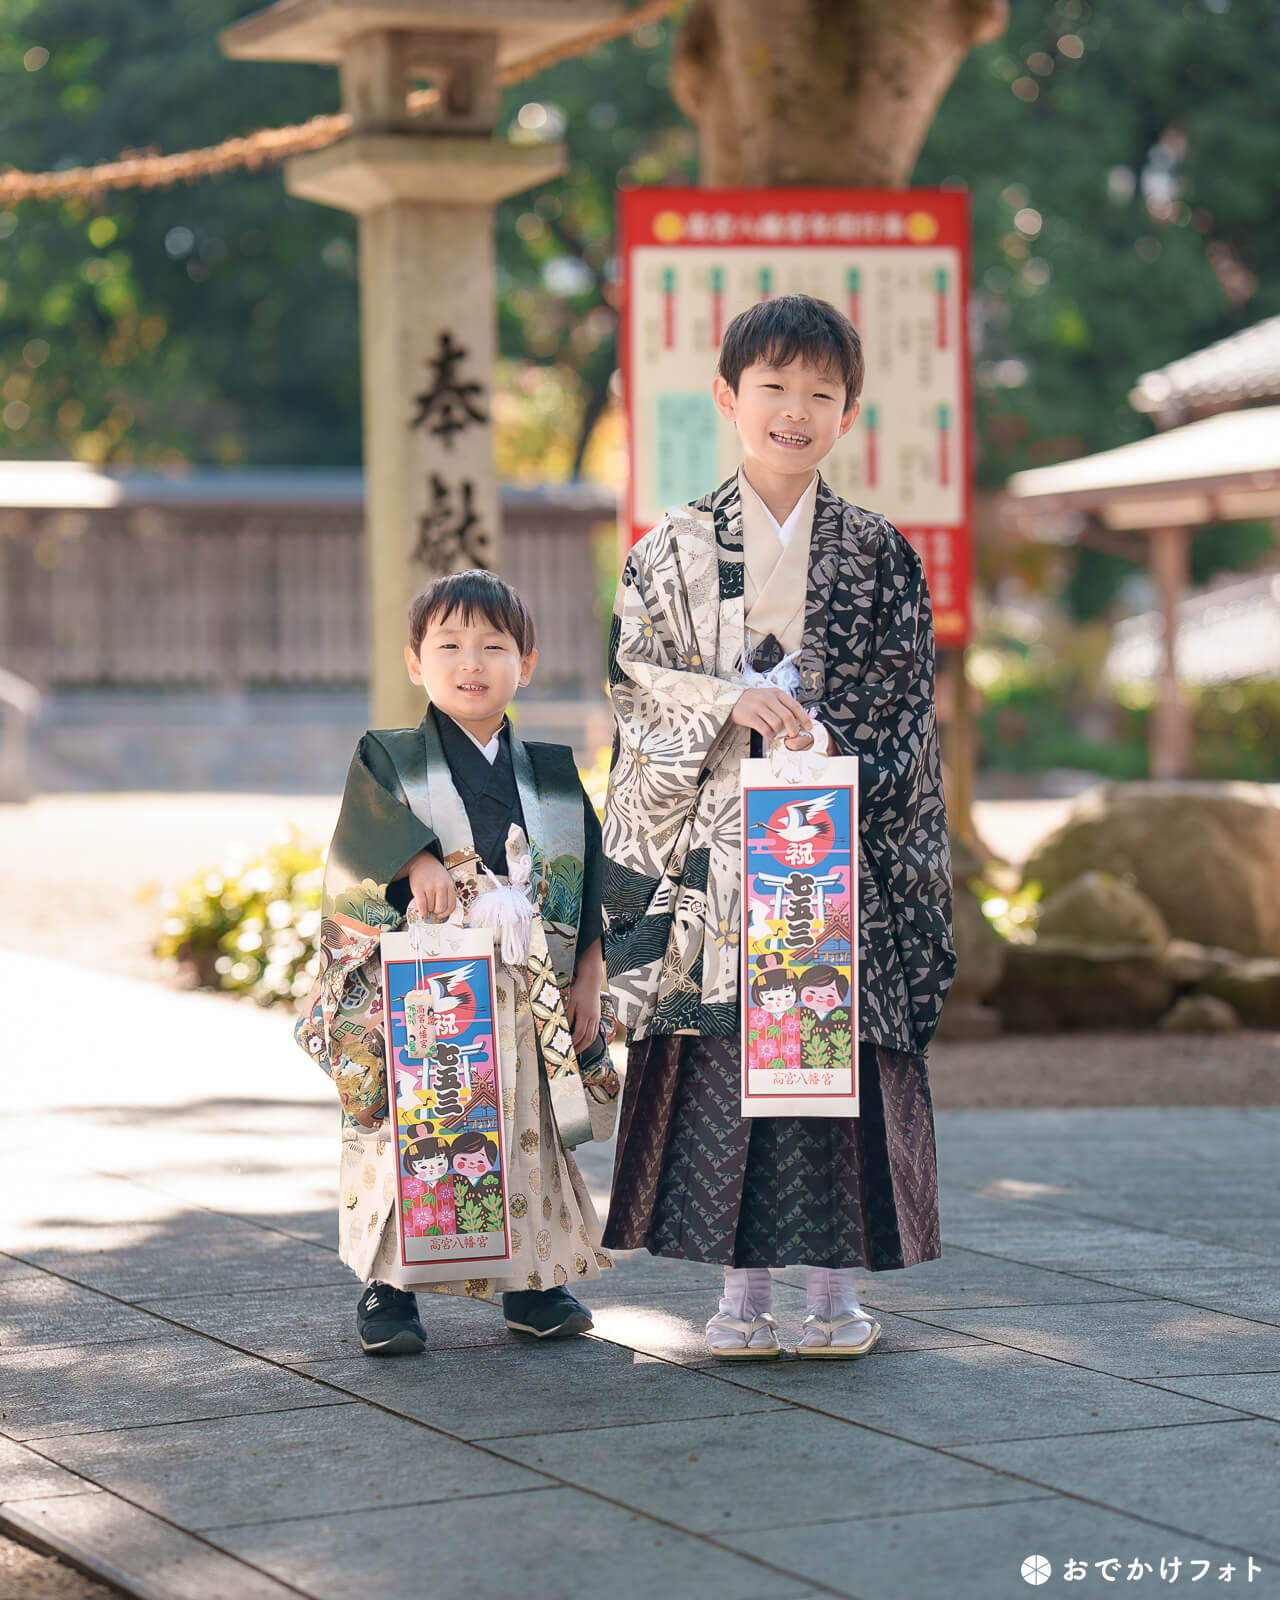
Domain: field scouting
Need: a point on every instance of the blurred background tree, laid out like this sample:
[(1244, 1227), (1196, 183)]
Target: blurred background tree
[(218, 321), (1122, 162)]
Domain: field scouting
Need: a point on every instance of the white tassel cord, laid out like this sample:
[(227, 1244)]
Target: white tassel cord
[(508, 914)]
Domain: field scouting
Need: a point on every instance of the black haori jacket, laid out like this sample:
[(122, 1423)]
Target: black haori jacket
[(672, 821)]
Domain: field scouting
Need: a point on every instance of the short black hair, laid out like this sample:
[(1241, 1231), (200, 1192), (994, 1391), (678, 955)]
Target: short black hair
[(472, 1143), (473, 594), (821, 977), (792, 326)]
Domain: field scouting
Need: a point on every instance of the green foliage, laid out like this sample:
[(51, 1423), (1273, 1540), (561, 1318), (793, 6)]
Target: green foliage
[(1011, 912), (1097, 576), (469, 1210), (557, 277), (249, 928), (1044, 706), (1236, 730), (218, 321), (1047, 715), (213, 321), (1094, 583), (1122, 161), (1036, 725), (1229, 547)]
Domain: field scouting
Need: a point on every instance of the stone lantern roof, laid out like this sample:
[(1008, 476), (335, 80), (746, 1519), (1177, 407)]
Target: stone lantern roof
[(322, 30)]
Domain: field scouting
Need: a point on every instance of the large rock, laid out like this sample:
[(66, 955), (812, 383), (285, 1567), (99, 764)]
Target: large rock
[(979, 962), (1252, 988), (1200, 1013), (1188, 964), (1206, 854), (1097, 909), (1057, 984), (979, 954)]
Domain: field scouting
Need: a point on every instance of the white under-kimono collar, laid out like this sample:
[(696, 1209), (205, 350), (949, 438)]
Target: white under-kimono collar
[(776, 563), (800, 513)]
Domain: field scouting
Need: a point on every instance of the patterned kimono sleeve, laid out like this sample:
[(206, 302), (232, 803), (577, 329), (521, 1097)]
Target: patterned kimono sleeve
[(671, 728), (669, 710), (887, 720)]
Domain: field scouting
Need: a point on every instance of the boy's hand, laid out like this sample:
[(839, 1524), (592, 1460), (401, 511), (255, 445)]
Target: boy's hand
[(431, 886), (770, 712), (583, 1008)]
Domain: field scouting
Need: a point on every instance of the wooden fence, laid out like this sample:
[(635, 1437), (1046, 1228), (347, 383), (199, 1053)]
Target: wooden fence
[(228, 598)]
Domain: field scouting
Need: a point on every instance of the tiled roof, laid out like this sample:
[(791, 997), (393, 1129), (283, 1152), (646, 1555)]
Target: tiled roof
[(1236, 372), (1238, 450)]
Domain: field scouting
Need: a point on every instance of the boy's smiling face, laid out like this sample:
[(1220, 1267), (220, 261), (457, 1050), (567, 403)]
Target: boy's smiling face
[(470, 669), (787, 417)]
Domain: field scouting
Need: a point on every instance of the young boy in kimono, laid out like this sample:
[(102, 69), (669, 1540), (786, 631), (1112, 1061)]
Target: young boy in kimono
[(433, 816), (741, 619)]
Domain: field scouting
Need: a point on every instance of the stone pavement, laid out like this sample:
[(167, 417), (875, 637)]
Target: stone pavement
[(1091, 1372)]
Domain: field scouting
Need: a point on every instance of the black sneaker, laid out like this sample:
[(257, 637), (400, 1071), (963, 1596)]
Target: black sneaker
[(545, 1313), (387, 1322)]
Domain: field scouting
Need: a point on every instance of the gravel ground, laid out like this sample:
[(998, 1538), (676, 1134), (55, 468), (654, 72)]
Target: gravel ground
[(83, 875), (25, 1574)]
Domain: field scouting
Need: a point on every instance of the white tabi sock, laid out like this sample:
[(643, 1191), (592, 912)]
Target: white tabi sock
[(830, 1292), (748, 1291)]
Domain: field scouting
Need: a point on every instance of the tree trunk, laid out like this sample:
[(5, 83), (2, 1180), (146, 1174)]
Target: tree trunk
[(821, 91)]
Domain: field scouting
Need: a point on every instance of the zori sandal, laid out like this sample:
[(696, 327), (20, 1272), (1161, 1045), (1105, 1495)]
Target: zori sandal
[(821, 1340), (731, 1339)]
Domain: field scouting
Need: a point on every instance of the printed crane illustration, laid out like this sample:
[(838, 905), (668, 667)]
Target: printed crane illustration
[(800, 825), (759, 931), (442, 991)]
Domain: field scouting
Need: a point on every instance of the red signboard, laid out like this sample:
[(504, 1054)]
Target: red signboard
[(896, 261)]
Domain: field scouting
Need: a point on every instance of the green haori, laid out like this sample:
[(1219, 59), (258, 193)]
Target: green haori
[(553, 824), (553, 821), (379, 830)]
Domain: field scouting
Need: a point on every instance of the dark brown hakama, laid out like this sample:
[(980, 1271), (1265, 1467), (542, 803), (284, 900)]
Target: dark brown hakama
[(693, 1178)]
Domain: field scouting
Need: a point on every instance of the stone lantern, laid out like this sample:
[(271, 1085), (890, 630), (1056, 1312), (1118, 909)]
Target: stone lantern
[(424, 188)]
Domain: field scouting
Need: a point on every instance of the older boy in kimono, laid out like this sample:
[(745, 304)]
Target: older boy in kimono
[(741, 619), (443, 813)]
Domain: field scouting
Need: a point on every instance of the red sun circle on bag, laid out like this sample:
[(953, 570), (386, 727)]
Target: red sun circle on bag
[(453, 1002), (800, 834)]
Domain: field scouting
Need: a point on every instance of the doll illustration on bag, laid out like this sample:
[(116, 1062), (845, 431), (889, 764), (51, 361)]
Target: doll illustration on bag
[(826, 1041), (477, 1187), (774, 1031), (433, 1207)]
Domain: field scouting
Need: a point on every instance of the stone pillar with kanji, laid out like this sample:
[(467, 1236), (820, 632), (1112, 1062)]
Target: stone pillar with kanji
[(424, 187)]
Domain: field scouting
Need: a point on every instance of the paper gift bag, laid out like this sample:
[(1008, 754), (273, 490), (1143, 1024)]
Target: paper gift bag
[(799, 942), (446, 1072)]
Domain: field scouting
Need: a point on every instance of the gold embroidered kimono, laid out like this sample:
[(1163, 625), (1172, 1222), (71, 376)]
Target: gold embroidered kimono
[(400, 799)]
